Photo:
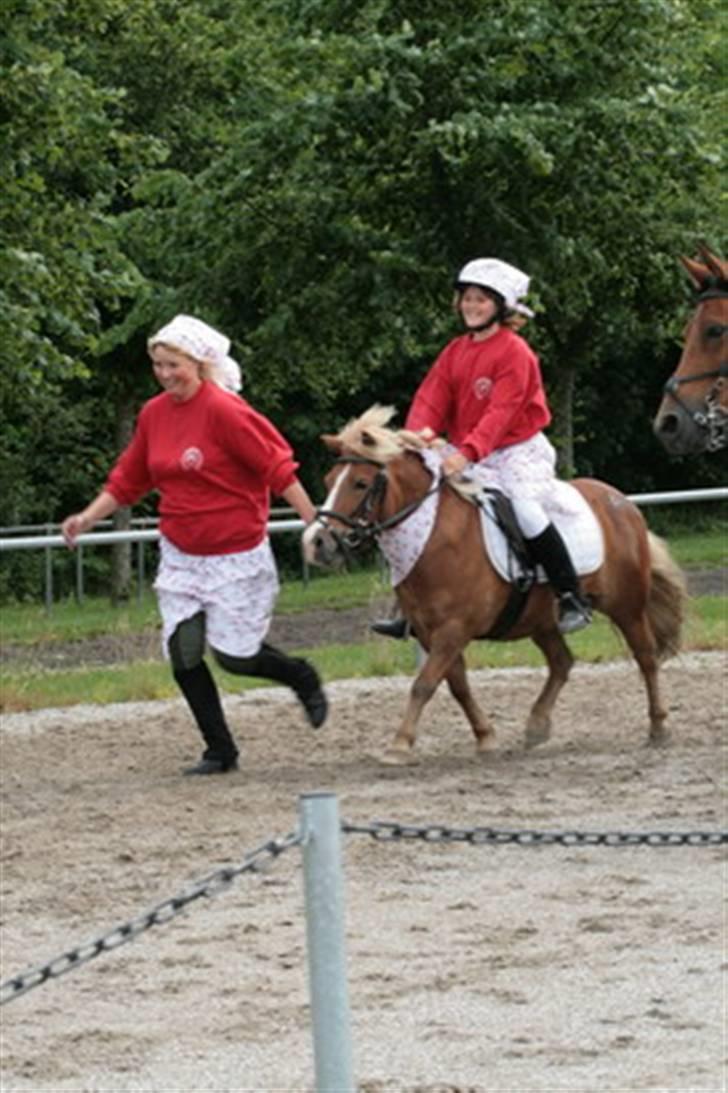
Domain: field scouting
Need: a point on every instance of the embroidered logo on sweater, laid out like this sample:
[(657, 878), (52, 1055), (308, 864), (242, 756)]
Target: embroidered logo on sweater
[(482, 387), (192, 459)]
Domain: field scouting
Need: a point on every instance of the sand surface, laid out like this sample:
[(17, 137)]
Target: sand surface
[(471, 968)]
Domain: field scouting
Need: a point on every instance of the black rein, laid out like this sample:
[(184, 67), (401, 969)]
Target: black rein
[(362, 527)]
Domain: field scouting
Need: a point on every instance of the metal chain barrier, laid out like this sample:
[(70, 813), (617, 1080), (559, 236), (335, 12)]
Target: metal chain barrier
[(162, 913), (382, 831), (385, 831)]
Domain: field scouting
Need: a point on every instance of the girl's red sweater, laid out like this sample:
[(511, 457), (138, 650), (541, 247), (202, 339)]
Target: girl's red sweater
[(482, 395)]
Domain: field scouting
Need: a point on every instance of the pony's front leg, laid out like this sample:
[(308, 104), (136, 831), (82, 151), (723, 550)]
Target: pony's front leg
[(457, 680), (426, 683)]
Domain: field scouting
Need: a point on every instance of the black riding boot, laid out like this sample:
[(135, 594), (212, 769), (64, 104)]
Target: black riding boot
[(203, 698), (549, 550), (295, 672), (397, 627)]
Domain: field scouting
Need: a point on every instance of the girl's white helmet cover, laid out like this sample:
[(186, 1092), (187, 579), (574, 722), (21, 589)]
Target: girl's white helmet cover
[(501, 277)]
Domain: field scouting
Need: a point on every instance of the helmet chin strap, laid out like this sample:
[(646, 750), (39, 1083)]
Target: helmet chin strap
[(483, 326)]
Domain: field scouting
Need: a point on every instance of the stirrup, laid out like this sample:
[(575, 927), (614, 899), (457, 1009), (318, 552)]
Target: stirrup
[(398, 628), (574, 613)]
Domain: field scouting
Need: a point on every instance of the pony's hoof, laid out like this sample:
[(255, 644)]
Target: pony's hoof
[(399, 757), (486, 745), (537, 734), (659, 736)]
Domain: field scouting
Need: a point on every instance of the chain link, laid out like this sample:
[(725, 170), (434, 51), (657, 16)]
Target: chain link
[(385, 831), (210, 885)]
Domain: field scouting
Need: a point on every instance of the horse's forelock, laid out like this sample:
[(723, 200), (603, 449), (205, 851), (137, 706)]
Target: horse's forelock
[(369, 436)]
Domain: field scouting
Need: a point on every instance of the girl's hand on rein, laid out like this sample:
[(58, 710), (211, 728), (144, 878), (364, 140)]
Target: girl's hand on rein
[(454, 464)]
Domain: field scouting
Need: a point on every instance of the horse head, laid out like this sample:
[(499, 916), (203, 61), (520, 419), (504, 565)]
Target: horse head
[(363, 497), (693, 414)]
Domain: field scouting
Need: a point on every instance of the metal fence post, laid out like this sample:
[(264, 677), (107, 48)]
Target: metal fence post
[(140, 572), (48, 579), (79, 575), (323, 885)]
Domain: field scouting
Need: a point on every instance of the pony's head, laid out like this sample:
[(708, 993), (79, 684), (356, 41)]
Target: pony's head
[(356, 484), (693, 414)]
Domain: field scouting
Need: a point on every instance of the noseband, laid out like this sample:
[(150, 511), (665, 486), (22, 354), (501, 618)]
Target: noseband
[(363, 525), (712, 418)]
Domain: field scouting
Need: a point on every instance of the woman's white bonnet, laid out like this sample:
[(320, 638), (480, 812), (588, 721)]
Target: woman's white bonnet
[(203, 343)]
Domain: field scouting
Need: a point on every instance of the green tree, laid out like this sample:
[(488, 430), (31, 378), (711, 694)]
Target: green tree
[(399, 140), (309, 176)]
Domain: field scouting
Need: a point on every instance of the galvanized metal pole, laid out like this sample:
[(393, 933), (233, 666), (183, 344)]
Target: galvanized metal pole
[(323, 884), (48, 581), (79, 574), (140, 572)]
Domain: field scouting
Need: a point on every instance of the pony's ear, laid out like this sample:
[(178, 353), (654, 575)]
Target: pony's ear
[(698, 274), (332, 443), (716, 266)]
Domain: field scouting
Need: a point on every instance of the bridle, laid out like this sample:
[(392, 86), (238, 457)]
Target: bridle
[(363, 525), (712, 418)]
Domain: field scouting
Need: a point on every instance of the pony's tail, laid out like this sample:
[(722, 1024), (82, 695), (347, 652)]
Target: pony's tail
[(667, 599)]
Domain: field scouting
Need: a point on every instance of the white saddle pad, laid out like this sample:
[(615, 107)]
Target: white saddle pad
[(567, 509), (574, 518)]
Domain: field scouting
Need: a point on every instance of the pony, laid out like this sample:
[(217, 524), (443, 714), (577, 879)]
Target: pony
[(453, 594), (693, 414)]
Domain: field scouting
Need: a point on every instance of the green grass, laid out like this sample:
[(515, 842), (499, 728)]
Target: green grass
[(24, 688), (28, 689), (68, 621), (703, 550)]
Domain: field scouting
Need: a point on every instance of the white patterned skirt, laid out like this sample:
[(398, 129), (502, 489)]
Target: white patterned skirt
[(236, 592), (526, 470)]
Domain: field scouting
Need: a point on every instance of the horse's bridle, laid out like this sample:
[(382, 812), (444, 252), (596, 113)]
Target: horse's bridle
[(362, 524), (713, 418)]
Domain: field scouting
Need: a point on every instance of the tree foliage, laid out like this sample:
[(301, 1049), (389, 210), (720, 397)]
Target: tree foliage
[(310, 174)]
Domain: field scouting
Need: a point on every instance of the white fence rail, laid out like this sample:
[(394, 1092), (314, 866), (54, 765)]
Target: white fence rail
[(141, 535)]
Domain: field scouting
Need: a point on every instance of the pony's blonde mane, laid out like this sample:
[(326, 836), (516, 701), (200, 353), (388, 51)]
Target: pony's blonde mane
[(369, 436)]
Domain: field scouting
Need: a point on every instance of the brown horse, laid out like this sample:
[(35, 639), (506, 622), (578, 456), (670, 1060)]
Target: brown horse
[(693, 414), (453, 594)]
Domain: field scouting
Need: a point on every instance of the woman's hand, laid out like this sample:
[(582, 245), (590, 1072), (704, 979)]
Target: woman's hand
[(102, 506), (72, 527)]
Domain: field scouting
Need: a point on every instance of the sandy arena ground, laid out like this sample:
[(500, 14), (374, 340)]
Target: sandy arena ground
[(471, 968)]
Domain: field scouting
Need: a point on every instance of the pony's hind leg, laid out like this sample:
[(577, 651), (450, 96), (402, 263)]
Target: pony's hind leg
[(457, 681), (638, 635), (559, 660)]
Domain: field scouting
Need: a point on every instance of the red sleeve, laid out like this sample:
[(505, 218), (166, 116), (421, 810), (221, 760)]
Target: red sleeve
[(255, 441), (430, 405), (129, 478)]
